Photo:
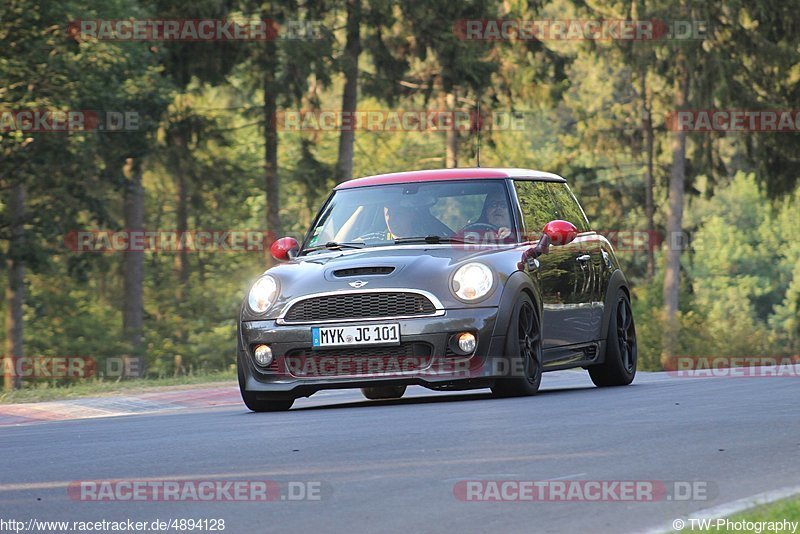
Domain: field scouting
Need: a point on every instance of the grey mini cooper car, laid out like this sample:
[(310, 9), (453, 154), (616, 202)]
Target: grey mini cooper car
[(448, 279)]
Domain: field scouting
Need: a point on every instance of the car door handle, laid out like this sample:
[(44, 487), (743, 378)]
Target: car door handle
[(585, 257)]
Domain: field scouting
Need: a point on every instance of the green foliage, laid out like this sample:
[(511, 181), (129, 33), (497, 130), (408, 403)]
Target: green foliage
[(201, 111), (740, 290), (742, 268)]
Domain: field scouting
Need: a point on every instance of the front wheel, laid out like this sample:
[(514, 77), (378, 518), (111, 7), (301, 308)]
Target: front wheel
[(524, 347), (259, 405), (385, 392), (619, 366)]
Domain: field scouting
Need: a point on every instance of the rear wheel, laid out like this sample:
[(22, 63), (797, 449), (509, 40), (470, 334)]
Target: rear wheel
[(524, 346), (384, 392), (259, 405), (619, 366)]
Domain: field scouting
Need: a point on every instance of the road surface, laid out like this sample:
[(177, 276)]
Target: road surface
[(402, 466)]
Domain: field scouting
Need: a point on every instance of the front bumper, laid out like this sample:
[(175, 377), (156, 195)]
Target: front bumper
[(439, 369)]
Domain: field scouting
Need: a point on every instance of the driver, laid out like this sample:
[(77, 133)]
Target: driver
[(494, 218), (495, 210)]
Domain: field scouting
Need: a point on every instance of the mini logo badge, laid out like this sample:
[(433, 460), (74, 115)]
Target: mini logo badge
[(357, 284)]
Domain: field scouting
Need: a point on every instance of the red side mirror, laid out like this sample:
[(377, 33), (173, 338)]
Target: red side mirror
[(560, 232), (284, 249)]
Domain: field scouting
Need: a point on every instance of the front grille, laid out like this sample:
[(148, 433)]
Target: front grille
[(359, 306), (359, 361)]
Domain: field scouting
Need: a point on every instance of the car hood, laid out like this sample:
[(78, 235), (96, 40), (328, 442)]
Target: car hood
[(421, 267)]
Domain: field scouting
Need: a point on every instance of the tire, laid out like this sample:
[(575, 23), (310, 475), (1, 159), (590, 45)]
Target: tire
[(384, 392), (619, 365), (524, 349), (259, 405)]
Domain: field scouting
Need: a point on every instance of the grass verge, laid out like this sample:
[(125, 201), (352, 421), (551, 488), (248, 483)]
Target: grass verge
[(101, 388), (777, 512)]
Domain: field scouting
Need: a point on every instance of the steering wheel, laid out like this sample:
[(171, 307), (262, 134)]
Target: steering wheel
[(480, 227)]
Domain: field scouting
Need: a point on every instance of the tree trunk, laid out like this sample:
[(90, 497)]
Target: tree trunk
[(649, 208), (451, 157), (271, 181), (182, 226), (182, 258), (675, 238), (133, 307), (181, 216), (15, 290), (352, 50)]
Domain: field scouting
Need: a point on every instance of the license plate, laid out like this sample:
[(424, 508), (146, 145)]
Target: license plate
[(343, 336)]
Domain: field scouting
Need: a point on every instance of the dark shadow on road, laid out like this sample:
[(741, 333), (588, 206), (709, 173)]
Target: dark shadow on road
[(439, 397)]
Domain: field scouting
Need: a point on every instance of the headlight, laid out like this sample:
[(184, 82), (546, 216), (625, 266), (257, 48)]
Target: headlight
[(472, 281), (262, 294)]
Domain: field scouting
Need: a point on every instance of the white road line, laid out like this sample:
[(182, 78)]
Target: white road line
[(567, 477), (511, 476), (730, 508)]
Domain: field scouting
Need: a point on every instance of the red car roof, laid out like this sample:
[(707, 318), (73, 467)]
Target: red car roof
[(449, 174)]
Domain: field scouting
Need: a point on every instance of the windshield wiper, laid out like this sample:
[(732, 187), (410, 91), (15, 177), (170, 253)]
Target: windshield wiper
[(333, 245), (431, 239)]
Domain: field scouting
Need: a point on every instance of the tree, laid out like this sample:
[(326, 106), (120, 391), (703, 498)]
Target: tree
[(36, 60), (127, 78), (416, 52), (677, 179), (282, 80), (186, 63), (731, 42), (46, 69), (352, 50)]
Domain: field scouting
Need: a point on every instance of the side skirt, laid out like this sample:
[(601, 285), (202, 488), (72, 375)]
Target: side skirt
[(580, 355)]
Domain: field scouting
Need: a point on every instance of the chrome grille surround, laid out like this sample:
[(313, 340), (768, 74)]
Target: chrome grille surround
[(360, 305)]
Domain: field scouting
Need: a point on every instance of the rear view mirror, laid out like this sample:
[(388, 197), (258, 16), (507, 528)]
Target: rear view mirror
[(555, 233)]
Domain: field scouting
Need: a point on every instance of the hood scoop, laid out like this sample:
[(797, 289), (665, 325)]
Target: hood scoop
[(363, 271)]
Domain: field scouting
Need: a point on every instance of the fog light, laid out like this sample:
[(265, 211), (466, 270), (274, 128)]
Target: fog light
[(466, 342), (263, 355)]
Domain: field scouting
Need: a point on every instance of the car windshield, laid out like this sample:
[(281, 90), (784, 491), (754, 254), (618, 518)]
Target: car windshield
[(452, 211)]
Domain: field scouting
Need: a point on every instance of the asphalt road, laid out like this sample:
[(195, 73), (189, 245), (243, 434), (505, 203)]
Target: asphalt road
[(393, 466)]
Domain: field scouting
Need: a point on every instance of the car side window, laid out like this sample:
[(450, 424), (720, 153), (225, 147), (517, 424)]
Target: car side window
[(536, 205), (567, 206)]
